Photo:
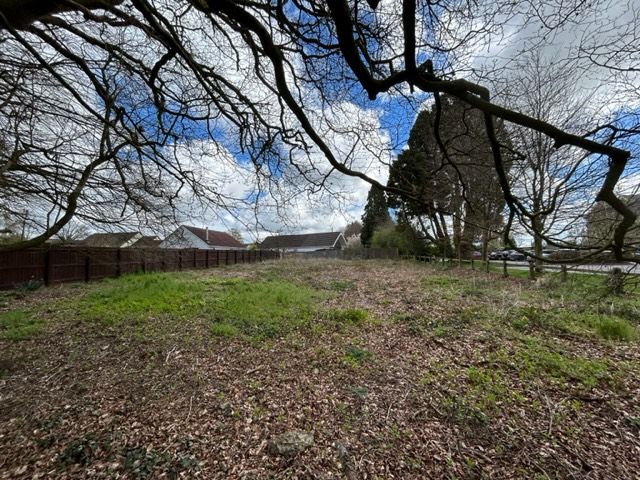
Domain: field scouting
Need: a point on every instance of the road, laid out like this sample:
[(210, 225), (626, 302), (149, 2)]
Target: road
[(626, 267)]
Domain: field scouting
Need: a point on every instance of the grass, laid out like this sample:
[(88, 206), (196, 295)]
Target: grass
[(132, 299), (566, 320), (161, 303), (534, 358), (260, 310), (615, 329), (19, 325)]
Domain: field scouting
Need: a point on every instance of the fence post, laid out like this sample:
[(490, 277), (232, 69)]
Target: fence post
[(143, 262), (532, 271), (87, 267), (118, 267), (46, 276), (563, 272), (180, 260), (473, 265), (504, 268), (206, 258), (217, 258)]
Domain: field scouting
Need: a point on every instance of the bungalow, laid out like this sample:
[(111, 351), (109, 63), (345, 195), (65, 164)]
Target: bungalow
[(149, 241), (192, 237), (111, 240), (309, 242)]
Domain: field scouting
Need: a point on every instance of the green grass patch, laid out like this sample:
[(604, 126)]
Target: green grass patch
[(224, 330), (259, 310), (535, 359), (19, 325), (132, 299), (228, 307), (346, 317), (531, 318)]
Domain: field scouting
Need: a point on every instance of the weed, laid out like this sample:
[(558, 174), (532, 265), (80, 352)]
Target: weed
[(356, 356), (535, 359), (349, 316), (615, 328), (140, 463), (224, 330), (341, 285), (19, 325), (633, 423), (78, 452), (22, 289), (359, 392)]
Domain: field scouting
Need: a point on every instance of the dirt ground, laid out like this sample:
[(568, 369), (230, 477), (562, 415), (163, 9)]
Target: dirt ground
[(454, 374)]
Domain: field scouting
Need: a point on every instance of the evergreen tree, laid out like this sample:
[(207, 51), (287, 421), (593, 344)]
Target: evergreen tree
[(455, 205), (376, 214)]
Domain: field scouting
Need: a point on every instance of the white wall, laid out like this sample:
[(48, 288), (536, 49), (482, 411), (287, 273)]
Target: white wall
[(183, 238)]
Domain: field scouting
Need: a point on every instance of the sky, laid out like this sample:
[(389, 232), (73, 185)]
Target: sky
[(368, 135)]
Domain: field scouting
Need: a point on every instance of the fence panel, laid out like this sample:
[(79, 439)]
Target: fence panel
[(77, 264), (102, 263), (66, 265), (19, 267)]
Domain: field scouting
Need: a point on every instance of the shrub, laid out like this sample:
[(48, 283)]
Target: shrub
[(29, 286), (615, 328), (401, 237)]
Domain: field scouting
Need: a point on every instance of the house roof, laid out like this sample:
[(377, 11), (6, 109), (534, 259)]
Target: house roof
[(113, 240), (214, 238), (147, 242), (321, 240)]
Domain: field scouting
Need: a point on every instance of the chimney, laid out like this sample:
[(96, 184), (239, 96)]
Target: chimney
[(206, 234)]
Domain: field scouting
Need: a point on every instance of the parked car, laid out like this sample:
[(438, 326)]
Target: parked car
[(495, 256), (517, 257)]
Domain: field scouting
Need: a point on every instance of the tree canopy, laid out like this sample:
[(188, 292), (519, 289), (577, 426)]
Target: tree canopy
[(449, 170), (376, 214)]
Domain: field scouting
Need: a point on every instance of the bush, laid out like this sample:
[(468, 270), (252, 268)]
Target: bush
[(615, 329), (402, 237), (29, 286)]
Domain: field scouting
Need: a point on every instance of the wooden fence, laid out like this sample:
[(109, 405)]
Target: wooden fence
[(78, 264)]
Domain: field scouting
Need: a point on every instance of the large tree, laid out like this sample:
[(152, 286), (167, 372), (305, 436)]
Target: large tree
[(448, 168), (556, 185), (376, 214), (141, 83)]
